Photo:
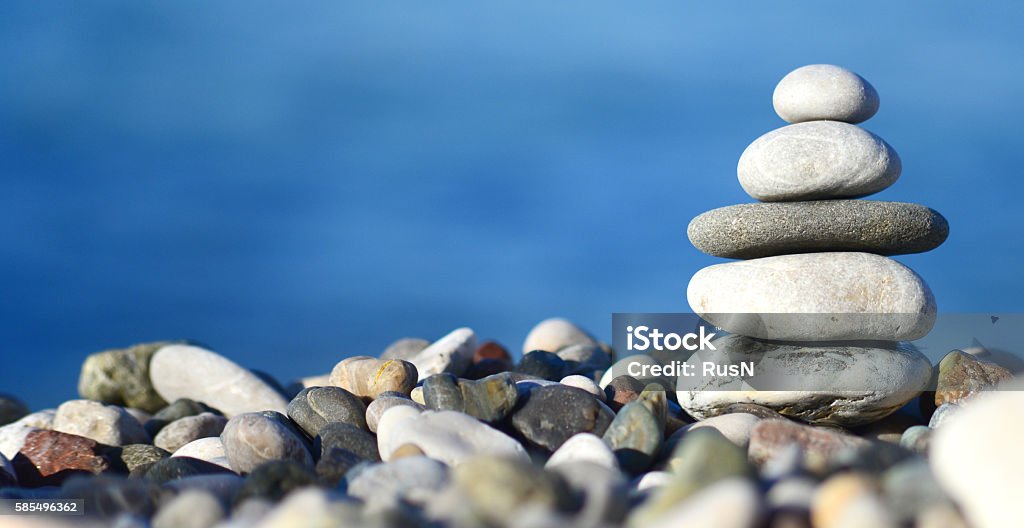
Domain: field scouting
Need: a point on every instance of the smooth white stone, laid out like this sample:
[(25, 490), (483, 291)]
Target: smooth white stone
[(824, 91), (106, 424), (859, 296), (185, 371), (555, 334), (585, 383), (654, 479), (452, 353), (818, 160), (977, 456), (449, 436), (208, 449), (583, 447)]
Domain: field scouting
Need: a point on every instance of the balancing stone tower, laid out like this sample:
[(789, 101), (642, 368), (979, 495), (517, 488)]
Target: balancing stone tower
[(816, 284)]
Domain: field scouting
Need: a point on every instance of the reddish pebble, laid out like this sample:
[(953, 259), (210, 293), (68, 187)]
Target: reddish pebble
[(491, 350), (50, 457)]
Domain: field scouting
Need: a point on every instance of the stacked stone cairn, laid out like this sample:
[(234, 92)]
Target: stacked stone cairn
[(817, 281)]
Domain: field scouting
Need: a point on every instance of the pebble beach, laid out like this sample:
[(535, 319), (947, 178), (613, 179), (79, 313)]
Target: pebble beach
[(460, 431)]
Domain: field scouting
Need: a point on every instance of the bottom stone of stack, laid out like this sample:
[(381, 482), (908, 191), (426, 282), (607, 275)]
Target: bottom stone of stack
[(838, 383)]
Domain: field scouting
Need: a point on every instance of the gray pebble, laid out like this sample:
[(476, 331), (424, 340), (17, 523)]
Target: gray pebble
[(251, 439), (757, 230), (315, 407), (190, 509), (824, 92), (188, 429)]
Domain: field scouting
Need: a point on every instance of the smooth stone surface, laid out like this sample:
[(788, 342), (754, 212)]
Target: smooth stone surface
[(309, 507), (585, 359), (48, 458), (735, 426), (583, 447), (638, 362), (207, 449), (730, 503), (251, 439), (106, 424), (551, 415), (824, 92), (121, 377), (542, 364), (185, 371), (792, 493), (385, 401), (413, 479), (838, 385), (489, 399), (188, 429), (585, 383), (448, 436), (962, 375), (819, 160), (452, 353), (942, 415), (175, 468), (313, 408), (748, 231), (604, 491), (334, 464), (820, 446), (347, 437), (855, 296), (621, 390), (499, 489), (190, 509), (977, 457), (368, 377), (275, 479), (850, 499), (405, 348), (917, 439), (181, 408), (11, 409), (555, 334), (137, 455), (635, 436), (910, 487), (491, 350)]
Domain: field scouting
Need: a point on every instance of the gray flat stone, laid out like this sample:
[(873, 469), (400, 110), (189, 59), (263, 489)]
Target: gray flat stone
[(823, 91), (757, 230), (817, 160)]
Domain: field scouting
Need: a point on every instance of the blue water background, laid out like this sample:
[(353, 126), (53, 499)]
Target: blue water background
[(296, 183)]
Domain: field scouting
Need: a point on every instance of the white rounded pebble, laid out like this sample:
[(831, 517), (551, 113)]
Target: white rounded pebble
[(449, 436), (452, 353), (555, 334), (818, 160), (185, 371), (585, 383), (654, 479), (584, 447), (824, 92), (106, 424), (209, 449), (977, 456)]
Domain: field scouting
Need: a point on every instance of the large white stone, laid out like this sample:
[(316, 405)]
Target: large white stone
[(857, 296), (555, 334), (841, 383), (449, 436), (584, 447), (186, 371), (823, 91), (452, 353), (818, 160), (978, 457), (13, 435)]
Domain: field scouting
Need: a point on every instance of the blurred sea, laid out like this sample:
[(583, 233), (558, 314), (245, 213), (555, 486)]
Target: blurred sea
[(296, 184)]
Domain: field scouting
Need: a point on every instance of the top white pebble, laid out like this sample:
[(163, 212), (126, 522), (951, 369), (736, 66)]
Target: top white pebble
[(824, 92)]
